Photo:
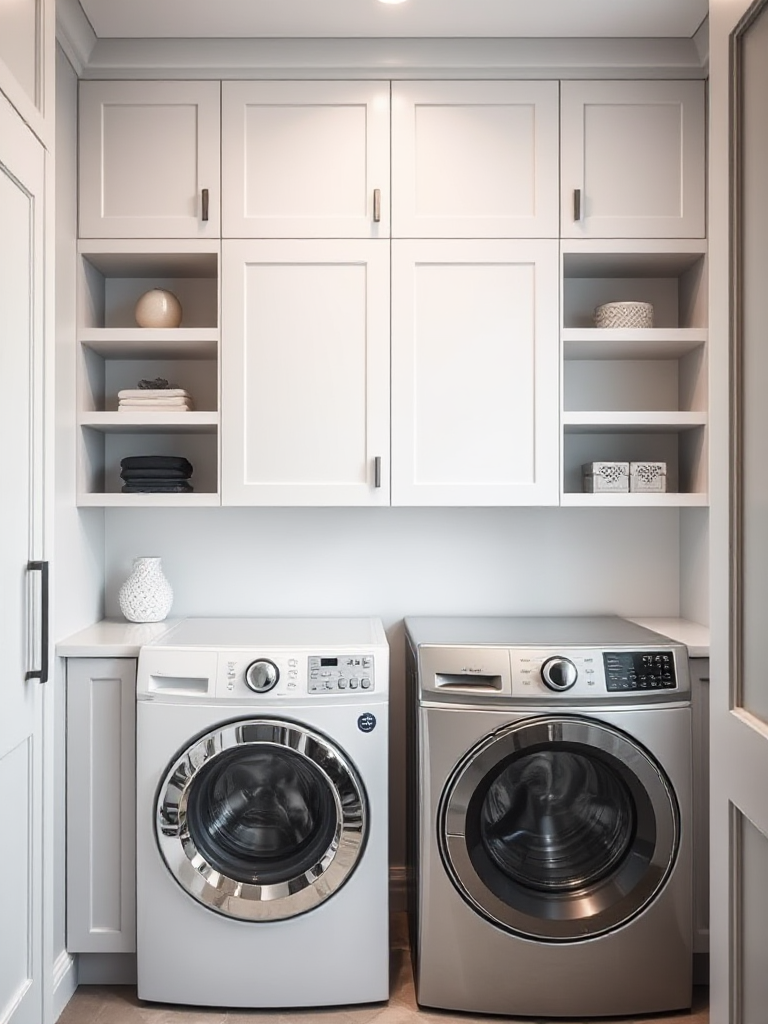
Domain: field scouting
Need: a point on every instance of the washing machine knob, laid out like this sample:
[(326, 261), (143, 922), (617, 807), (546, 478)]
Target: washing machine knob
[(261, 675), (559, 673)]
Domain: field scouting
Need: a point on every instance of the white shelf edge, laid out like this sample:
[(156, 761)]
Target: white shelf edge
[(651, 343), (143, 423), (137, 343), (673, 499), (119, 500), (628, 422)]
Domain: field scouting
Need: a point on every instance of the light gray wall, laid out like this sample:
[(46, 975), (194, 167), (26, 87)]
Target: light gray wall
[(397, 562), (77, 571)]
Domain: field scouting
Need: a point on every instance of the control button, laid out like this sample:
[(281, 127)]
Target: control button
[(342, 683), (365, 682), (367, 662), (330, 684), (353, 684)]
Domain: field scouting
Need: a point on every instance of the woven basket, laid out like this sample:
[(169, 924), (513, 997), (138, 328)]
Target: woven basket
[(624, 314)]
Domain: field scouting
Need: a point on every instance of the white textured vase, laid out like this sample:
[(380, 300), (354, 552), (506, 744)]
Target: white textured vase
[(146, 596)]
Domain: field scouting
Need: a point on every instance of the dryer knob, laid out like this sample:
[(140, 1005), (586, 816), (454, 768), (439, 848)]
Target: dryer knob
[(559, 673), (261, 675)]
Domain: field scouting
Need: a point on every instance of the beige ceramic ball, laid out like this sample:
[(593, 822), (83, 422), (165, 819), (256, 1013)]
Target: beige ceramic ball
[(158, 308)]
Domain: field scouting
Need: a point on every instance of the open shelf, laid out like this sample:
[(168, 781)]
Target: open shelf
[(115, 354), (639, 343)]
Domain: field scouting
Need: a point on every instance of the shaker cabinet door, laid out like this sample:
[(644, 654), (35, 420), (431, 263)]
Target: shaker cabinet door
[(475, 160), (632, 159), (474, 372), (149, 159), (305, 159), (101, 805), (305, 372)]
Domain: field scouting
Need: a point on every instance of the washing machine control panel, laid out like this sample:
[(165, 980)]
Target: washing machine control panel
[(344, 673), (636, 670)]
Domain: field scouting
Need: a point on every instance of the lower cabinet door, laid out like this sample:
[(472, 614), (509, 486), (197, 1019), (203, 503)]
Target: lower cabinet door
[(475, 402), (101, 805), (305, 372)]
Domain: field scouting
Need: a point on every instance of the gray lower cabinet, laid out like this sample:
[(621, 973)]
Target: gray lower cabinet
[(699, 668), (101, 828)]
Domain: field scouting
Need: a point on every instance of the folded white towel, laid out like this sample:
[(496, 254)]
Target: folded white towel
[(159, 409), (152, 403), (153, 393), (155, 408)]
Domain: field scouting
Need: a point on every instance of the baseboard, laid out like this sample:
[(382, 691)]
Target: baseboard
[(106, 968), (64, 982), (397, 888)]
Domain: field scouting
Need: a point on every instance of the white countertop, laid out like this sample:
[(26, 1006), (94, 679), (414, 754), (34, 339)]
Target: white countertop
[(692, 634), (116, 638), (112, 638)]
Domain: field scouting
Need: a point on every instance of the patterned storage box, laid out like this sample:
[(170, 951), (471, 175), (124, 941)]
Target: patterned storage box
[(624, 314), (605, 477), (648, 477)]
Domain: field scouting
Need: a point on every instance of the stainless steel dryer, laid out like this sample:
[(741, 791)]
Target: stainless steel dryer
[(549, 816)]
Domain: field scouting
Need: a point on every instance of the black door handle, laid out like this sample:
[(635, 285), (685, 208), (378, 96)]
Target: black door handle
[(42, 672)]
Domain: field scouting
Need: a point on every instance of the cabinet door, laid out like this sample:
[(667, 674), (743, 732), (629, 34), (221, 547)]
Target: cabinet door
[(101, 811), (475, 160), (632, 159), (699, 668), (149, 159), (23, 732), (474, 373), (305, 373), (305, 159)]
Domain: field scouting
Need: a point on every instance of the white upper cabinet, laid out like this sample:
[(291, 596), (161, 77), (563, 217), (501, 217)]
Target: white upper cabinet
[(305, 372), (632, 159), (305, 159), (475, 372), (149, 159), (27, 62), (475, 159)]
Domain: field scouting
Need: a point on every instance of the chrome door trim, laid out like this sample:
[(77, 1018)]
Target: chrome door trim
[(295, 895), (595, 909)]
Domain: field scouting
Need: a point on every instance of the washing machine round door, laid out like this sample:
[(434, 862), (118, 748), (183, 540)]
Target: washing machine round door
[(559, 828), (261, 819)]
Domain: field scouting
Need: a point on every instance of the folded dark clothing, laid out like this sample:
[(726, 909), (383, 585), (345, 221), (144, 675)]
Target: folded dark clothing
[(147, 473), (152, 487), (141, 481), (156, 462)]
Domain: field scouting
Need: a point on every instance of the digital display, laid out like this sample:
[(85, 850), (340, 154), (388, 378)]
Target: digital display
[(329, 662)]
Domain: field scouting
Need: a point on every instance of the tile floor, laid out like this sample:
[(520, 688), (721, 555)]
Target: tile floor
[(95, 1004)]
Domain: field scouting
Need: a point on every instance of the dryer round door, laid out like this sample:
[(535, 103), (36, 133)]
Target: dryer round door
[(558, 828), (261, 819)]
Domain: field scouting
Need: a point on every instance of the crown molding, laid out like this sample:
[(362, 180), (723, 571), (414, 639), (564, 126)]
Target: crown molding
[(701, 40), (74, 34), (387, 58)]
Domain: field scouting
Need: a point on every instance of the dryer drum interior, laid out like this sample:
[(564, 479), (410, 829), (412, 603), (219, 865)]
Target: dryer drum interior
[(558, 829), (261, 819)]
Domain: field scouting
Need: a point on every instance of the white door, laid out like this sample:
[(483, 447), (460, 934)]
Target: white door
[(305, 159), (475, 160), (632, 159), (149, 159), (305, 372), (475, 372), (21, 739), (739, 516)]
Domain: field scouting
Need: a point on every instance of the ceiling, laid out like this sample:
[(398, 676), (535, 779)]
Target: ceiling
[(414, 18)]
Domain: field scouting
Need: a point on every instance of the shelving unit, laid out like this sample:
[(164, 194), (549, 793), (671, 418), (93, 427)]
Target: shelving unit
[(115, 354), (635, 394)]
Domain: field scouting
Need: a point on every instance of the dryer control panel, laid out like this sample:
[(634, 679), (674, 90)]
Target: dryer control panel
[(633, 670)]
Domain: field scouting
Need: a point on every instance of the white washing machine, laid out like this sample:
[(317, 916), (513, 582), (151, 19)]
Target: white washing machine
[(261, 787), (549, 816)]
